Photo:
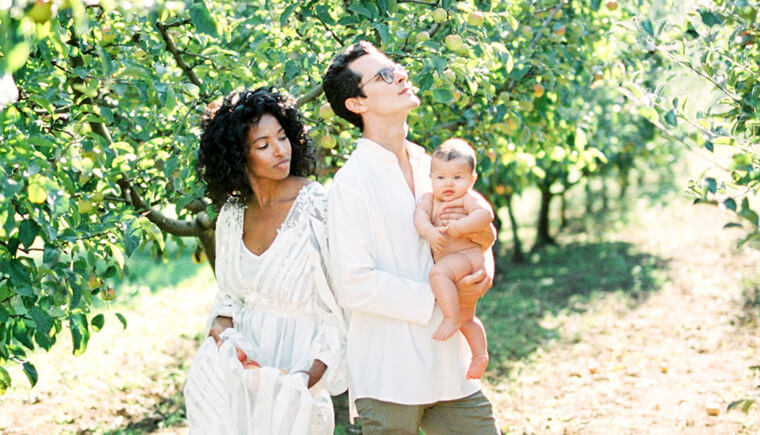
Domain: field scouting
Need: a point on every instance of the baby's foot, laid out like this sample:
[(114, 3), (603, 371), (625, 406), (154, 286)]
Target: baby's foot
[(478, 366), (447, 328)]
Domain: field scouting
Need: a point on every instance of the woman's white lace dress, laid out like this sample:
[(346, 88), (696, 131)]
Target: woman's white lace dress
[(285, 317)]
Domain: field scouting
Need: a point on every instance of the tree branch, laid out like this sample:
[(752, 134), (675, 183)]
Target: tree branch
[(163, 29), (181, 228), (312, 94), (420, 2)]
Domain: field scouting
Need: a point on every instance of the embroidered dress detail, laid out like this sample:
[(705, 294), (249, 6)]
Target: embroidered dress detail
[(285, 317)]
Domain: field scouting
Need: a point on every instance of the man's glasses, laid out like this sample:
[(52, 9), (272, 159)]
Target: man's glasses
[(387, 74)]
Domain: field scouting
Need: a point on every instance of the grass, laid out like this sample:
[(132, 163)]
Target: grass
[(129, 382)]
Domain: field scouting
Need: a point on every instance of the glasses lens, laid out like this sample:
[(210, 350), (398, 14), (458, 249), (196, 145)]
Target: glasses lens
[(386, 74)]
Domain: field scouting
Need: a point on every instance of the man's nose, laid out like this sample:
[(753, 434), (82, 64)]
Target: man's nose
[(401, 75)]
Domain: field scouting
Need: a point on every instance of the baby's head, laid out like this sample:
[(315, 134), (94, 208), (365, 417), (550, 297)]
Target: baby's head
[(452, 169)]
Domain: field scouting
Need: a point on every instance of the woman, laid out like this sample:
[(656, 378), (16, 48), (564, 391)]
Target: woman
[(276, 337)]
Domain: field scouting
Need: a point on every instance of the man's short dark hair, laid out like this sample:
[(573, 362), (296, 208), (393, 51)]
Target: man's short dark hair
[(341, 83)]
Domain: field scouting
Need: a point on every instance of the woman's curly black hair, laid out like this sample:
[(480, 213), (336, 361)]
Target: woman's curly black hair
[(224, 143)]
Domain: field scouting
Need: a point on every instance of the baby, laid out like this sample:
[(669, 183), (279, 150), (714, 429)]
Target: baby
[(452, 171)]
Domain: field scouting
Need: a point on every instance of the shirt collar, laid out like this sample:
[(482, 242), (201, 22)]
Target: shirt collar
[(377, 151)]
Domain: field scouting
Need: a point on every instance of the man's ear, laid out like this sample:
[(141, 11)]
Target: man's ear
[(355, 105)]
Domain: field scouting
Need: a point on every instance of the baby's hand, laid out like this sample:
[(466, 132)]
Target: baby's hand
[(452, 230), (437, 241)]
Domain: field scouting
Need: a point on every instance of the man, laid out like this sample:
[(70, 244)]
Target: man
[(401, 379)]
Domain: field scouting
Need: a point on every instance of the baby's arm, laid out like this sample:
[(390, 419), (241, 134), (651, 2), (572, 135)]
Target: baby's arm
[(423, 223), (479, 216)]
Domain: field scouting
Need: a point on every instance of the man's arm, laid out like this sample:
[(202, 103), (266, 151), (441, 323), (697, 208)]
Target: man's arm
[(358, 284)]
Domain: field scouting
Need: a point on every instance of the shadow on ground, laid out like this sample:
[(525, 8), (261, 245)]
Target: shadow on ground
[(557, 279), (150, 268)]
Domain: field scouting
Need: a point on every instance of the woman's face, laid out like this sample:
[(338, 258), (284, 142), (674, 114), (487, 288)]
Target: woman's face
[(268, 150)]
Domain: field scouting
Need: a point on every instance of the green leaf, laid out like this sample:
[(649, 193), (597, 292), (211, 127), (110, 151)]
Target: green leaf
[(17, 56), (595, 4), (361, 10), (202, 19), (27, 231), (122, 319), (117, 255), (671, 118), (80, 335), (97, 322), (709, 146), (31, 372), (5, 380), (730, 204), (42, 319), (710, 18), (647, 26), (711, 185), (442, 95), (648, 113), (286, 14)]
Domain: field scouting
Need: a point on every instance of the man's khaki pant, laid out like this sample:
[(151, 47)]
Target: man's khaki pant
[(471, 415)]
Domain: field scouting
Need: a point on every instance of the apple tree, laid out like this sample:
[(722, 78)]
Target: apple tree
[(716, 44), (102, 103)]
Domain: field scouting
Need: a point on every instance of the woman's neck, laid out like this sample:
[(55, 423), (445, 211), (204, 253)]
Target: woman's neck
[(266, 191)]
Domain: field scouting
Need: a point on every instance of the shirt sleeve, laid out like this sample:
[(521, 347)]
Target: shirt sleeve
[(329, 344), (359, 284)]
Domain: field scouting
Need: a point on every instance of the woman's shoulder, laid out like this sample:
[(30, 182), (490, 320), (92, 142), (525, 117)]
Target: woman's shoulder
[(309, 188)]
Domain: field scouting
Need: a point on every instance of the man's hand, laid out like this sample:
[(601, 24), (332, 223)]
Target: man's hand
[(472, 287)]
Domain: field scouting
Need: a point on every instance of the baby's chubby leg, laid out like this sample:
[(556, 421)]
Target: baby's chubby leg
[(472, 328), (443, 277)]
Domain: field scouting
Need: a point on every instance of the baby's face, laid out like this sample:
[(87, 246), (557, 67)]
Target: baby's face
[(451, 179)]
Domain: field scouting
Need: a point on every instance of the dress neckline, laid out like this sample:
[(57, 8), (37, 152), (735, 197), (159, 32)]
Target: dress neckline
[(279, 228)]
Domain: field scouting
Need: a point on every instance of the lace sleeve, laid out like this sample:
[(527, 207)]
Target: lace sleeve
[(228, 231), (329, 345)]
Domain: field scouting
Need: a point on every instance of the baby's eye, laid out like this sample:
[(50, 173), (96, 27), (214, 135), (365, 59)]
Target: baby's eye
[(457, 177)]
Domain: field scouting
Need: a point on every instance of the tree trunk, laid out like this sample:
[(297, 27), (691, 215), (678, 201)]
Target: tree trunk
[(625, 181), (603, 194), (542, 229), (589, 197), (497, 245), (517, 252), (563, 210)]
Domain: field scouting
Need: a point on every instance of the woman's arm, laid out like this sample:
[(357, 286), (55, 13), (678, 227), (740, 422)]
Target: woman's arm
[(218, 326), (315, 372)]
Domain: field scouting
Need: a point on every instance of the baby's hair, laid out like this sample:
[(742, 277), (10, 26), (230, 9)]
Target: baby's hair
[(455, 148)]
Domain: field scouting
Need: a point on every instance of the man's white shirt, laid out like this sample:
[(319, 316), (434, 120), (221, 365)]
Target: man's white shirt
[(379, 267)]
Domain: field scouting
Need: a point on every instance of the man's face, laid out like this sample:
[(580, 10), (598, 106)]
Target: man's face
[(383, 99)]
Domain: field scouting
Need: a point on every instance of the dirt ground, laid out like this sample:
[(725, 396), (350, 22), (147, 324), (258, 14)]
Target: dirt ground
[(662, 365), (658, 365)]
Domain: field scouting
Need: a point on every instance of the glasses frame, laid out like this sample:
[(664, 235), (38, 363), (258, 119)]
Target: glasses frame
[(388, 74)]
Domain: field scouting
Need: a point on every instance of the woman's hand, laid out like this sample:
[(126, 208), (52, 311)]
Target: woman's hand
[(220, 324), (315, 373)]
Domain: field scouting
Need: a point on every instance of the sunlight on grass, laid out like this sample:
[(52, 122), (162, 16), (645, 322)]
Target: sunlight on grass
[(127, 381)]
